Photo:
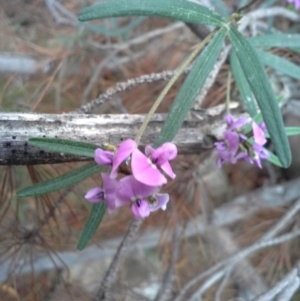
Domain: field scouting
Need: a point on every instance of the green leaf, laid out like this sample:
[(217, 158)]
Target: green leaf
[(261, 87), (221, 8), (274, 159), (190, 88), (64, 146), (92, 224), (279, 64), (285, 40), (243, 85), (181, 10), (68, 179), (290, 131)]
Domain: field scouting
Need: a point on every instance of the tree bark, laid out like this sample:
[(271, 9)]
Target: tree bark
[(195, 136)]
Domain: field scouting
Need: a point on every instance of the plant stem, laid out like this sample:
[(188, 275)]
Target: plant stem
[(158, 101)]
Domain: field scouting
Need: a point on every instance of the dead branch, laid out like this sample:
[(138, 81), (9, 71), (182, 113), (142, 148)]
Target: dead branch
[(17, 128)]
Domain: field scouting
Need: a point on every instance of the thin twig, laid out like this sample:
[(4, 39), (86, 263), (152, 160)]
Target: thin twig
[(283, 222), (280, 286), (128, 85), (251, 17), (289, 291), (232, 260), (96, 74), (140, 39), (222, 285), (166, 286), (103, 292)]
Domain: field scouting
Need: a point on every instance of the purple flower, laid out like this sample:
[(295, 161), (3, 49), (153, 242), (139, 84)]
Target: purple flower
[(123, 153), (107, 193), (236, 146), (296, 3), (142, 198), (259, 140), (140, 209), (227, 150), (146, 169), (103, 157), (158, 201), (258, 134), (234, 124)]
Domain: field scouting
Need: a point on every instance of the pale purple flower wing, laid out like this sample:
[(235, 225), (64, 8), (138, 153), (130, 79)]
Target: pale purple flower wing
[(162, 201), (140, 209), (145, 171), (123, 152), (234, 124), (103, 157), (232, 139), (95, 195), (166, 152), (129, 189), (124, 192), (166, 167), (149, 150), (258, 134), (109, 186)]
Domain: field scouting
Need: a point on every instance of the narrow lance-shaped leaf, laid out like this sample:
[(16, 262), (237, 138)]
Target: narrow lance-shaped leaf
[(64, 146), (181, 10), (290, 131), (280, 64), (242, 84), (261, 87), (285, 40), (274, 159), (66, 180), (92, 224), (190, 88)]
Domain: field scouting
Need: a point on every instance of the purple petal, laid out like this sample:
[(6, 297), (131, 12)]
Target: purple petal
[(129, 190), (258, 134), (109, 186), (145, 171), (166, 167), (234, 124), (232, 139), (260, 151), (95, 195), (140, 209), (263, 127), (229, 119), (103, 157), (149, 150), (123, 152), (166, 152), (161, 202)]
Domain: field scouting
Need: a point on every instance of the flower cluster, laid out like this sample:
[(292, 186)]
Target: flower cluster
[(145, 174), (236, 145), (296, 3)]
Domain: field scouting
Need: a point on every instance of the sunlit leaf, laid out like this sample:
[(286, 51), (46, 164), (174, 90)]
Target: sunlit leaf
[(280, 64), (66, 180), (181, 10), (190, 88), (261, 87), (64, 146), (243, 85), (92, 224)]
